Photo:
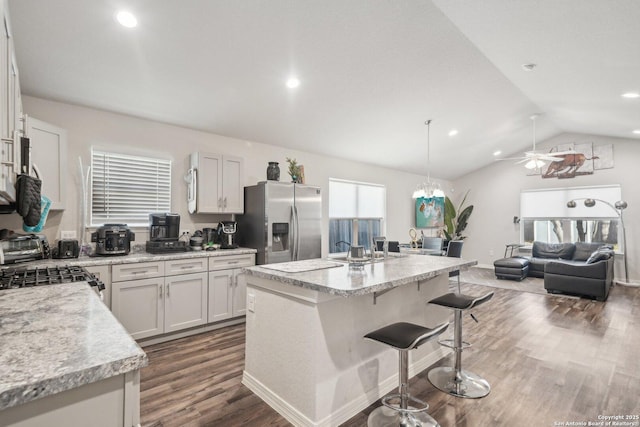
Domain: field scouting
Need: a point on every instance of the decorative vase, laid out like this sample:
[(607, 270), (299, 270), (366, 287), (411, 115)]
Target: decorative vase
[(273, 171)]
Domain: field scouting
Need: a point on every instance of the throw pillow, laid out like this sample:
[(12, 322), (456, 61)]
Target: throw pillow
[(599, 255), (584, 250)]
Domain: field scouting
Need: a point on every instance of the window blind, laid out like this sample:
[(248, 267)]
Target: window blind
[(348, 199), (125, 189), (552, 203)]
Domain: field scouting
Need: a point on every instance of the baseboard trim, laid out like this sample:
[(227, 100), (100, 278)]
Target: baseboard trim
[(348, 410)]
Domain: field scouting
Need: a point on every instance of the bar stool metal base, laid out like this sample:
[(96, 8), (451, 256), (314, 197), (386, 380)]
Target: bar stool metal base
[(387, 417), (468, 384)]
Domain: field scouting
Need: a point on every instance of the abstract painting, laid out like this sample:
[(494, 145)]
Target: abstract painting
[(429, 212)]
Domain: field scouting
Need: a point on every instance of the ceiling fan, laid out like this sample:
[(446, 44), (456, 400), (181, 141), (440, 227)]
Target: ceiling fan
[(535, 159)]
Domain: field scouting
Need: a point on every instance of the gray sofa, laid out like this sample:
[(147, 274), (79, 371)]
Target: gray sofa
[(584, 269)]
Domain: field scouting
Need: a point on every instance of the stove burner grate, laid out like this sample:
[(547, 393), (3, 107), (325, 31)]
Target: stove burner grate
[(21, 277)]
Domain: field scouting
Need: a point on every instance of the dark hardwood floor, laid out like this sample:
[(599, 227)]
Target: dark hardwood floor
[(549, 359)]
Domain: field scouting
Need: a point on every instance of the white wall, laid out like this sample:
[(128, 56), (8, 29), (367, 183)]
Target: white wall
[(495, 194), (89, 127)]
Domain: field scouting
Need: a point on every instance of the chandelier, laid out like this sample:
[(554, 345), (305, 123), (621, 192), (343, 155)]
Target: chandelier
[(429, 188)]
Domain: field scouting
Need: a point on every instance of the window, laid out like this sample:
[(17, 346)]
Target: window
[(126, 189), (546, 217), (356, 213)]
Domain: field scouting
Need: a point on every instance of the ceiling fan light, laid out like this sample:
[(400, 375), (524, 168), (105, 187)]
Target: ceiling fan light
[(534, 164)]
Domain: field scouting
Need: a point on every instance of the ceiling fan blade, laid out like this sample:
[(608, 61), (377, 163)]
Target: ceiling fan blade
[(561, 153), (510, 158)]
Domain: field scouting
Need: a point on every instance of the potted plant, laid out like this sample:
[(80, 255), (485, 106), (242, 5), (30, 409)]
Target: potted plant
[(294, 170), (455, 221)]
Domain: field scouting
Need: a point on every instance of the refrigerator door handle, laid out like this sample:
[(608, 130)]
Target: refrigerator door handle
[(296, 236), (292, 234)]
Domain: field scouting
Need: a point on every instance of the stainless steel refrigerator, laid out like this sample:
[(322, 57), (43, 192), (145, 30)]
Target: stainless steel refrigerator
[(283, 221)]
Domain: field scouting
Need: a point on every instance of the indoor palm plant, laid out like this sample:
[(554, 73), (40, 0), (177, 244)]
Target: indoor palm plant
[(455, 221)]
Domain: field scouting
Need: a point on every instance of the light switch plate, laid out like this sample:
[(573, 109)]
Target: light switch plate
[(68, 234), (251, 303)]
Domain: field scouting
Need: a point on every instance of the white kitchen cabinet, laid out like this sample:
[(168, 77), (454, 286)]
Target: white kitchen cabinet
[(49, 159), (148, 302), (103, 273), (139, 306), (185, 302), (227, 286), (10, 112), (219, 183)]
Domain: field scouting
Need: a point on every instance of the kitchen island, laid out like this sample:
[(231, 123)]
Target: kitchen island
[(305, 355), (65, 360)]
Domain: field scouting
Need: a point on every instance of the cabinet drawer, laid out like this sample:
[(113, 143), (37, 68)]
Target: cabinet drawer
[(231, 261), (183, 266), (141, 270)]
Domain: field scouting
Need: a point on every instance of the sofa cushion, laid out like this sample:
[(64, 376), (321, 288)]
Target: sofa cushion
[(553, 250), (599, 255), (584, 250)]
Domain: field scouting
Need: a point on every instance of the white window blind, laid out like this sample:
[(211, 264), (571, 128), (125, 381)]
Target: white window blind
[(348, 199), (552, 202), (125, 189)]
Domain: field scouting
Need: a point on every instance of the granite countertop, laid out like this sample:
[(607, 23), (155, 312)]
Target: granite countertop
[(58, 337), (133, 257), (374, 277)]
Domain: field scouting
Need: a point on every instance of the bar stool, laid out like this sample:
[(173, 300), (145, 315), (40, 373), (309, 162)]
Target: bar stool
[(396, 410), (457, 381)]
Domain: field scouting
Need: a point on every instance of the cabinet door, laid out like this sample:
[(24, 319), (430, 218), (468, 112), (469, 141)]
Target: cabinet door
[(139, 306), (209, 183), (49, 155), (239, 293), (185, 303), (232, 180), (220, 295), (103, 273)]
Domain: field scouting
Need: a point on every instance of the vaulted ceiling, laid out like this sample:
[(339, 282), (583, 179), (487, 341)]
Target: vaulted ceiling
[(371, 71)]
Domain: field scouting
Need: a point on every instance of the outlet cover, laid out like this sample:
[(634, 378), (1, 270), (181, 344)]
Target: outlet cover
[(68, 234)]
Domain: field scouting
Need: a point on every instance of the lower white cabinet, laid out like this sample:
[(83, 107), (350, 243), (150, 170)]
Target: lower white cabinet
[(103, 273), (227, 294), (154, 298), (185, 301)]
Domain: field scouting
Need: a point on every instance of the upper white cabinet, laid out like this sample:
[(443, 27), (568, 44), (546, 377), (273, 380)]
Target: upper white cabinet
[(49, 158), (10, 111), (218, 183)]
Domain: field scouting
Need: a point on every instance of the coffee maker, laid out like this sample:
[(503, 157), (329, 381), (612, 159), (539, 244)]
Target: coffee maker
[(164, 233), (227, 234)]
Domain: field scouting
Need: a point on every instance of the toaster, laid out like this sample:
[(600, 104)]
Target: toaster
[(67, 248)]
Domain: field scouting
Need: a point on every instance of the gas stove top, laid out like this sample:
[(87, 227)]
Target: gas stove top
[(22, 277)]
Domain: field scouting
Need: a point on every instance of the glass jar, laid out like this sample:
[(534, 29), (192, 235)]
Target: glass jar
[(273, 171)]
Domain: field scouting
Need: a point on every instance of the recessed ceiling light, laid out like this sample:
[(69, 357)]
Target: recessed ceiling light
[(126, 19), (631, 95), (497, 153), (637, 131), (293, 83), (453, 132), (529, 67)]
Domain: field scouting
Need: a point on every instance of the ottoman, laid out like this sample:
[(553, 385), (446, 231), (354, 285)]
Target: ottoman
[(514, 268)]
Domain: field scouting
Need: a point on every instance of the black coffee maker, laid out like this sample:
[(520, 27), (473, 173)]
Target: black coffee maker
[(164, 226), (164, 234), (227, 234)]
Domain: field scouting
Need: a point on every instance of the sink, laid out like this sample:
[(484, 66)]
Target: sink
[(360, 261)]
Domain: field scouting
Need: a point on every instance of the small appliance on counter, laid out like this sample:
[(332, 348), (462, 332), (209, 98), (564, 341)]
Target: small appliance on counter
[(23, 248), (164, 234), (113, 239), (227, 234), (66, 248)]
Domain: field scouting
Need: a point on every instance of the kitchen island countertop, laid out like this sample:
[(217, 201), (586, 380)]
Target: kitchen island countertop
[(346, 281), (58, 337)]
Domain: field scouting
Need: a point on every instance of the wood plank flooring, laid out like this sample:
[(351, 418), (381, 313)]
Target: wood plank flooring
[(549, 359)]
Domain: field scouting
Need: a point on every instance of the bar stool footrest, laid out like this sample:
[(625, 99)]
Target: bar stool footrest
[(449, 343), (393, 402)]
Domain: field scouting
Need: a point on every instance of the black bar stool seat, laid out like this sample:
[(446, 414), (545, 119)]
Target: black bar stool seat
[(455, 380), (396, 411)]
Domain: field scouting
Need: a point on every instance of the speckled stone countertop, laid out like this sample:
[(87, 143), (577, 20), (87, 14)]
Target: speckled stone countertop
[(57, 337), (375, 277), (133, 257)]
